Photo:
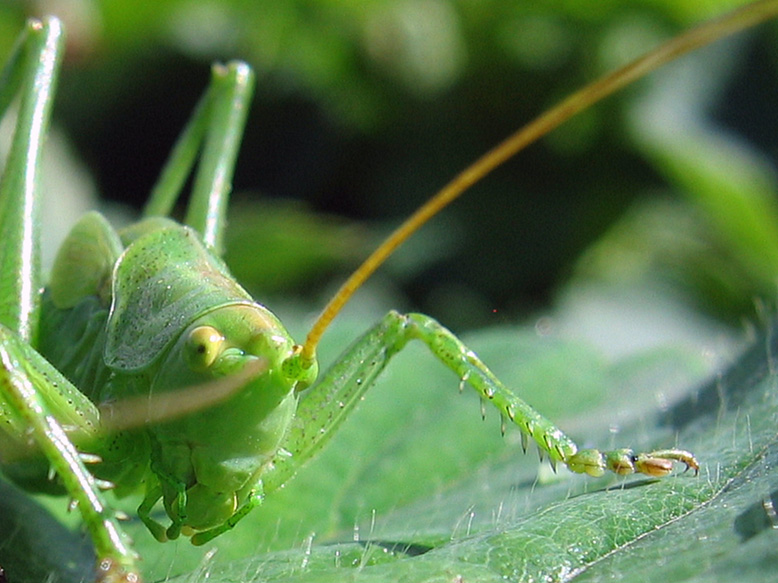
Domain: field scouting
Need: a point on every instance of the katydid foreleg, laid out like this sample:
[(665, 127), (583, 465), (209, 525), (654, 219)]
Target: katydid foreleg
[(330, 400)]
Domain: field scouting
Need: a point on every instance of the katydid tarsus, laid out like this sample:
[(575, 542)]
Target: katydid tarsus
[(130, 317)]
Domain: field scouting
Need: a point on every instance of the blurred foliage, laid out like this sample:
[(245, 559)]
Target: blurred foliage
[(363, 109)]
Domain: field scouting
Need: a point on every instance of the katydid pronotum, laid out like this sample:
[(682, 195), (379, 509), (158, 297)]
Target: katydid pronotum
[(153, 310)]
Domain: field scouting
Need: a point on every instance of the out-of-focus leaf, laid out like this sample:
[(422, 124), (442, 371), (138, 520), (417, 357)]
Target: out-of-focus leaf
[(276, 246), (281, 247), (34, 545), (730, 186), (735, 189)]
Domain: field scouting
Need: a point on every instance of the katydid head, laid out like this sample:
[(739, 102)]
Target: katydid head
[(218, 454), (221, 393)]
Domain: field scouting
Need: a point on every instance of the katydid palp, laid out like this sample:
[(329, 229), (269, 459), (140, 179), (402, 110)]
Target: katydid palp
[(151, 310)]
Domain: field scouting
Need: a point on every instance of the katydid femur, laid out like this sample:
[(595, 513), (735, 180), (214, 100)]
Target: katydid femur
[(152, 310)]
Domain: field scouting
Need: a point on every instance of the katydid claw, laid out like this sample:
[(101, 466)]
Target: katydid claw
[(660, 463), (625, 461)]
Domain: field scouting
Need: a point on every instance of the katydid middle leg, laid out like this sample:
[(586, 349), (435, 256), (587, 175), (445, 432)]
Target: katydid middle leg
[(330, 400)]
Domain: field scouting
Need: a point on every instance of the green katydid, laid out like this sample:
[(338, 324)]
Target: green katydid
[(152, 310)]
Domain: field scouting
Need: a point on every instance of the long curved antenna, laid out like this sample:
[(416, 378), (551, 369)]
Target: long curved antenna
[(695, 38)]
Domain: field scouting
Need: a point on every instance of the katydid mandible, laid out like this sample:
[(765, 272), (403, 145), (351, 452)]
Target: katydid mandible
[(152, 310)]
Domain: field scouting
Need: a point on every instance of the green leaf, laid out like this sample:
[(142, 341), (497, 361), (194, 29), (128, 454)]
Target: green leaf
[(416, 487), (498, 522), (728, 184)]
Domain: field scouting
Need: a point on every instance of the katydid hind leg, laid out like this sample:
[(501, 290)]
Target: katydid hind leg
[(33, 75), (46, 410), (216, 130), (207, 210), (338, 391)]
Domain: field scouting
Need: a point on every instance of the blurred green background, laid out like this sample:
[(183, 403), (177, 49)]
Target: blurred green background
[(364, 108)]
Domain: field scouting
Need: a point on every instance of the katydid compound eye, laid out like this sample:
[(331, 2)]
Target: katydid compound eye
[(203, 346)]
